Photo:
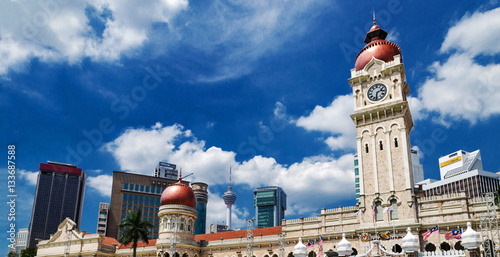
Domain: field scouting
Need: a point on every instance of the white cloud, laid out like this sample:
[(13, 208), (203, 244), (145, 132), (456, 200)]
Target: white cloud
[(30, 176), (57, 30), (416, 107), (475, 34), (104, 30), (334, 119), (466, 89), (139, 150), (101, 183)]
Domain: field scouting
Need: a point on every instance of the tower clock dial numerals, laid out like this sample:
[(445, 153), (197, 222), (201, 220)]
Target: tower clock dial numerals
[(377, 92)]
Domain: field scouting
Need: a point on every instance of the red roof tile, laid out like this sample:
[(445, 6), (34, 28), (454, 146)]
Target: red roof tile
[(109, 241), (239, 233), (152, 242)]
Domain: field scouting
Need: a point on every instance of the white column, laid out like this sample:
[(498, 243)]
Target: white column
[(374, 155), (406, 161), (389, 158), (360, 166)]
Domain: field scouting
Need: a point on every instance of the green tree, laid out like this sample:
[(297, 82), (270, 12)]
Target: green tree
[(134, 229), (28, 252), (12, 254)]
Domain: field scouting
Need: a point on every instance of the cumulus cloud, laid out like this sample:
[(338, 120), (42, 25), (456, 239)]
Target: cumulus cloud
[(105, 30), (139, 150), (333, 119), (30, 176), (467, 88), (475, 34), (101, 184), (71, 30)]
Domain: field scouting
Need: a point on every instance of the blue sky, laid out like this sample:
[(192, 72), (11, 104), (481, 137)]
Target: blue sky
[(260, 86)]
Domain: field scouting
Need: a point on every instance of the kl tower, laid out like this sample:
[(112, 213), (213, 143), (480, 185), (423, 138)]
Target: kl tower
[(229, 199)]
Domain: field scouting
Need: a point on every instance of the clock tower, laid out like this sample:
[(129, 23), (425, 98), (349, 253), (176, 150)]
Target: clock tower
[(383, 124)]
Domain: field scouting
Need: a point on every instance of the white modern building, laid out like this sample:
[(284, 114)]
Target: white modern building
[(102, 218), (462, 171), (22, 240)]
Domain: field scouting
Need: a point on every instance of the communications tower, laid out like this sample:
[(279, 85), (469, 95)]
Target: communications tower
[(229, 199)]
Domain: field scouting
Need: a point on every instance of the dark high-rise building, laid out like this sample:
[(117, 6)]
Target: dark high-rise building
[(270, 206), (135, 192), (60, 189), (201, 191)]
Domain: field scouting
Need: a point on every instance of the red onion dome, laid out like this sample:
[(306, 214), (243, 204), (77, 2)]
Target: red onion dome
[(178, 193), (376, 47)]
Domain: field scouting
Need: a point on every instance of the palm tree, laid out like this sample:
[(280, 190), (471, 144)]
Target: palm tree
[(135, 229)]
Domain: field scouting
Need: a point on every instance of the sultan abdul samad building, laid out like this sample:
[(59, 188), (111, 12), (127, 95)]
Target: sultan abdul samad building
[(388, 205)]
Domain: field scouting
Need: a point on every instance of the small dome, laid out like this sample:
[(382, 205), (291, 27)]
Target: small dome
[(377, 47), (344, 247), (178, 193), (470, 238), (410, 242), (299, 249)]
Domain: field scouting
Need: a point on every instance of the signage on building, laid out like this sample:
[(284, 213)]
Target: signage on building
[(450, 161)]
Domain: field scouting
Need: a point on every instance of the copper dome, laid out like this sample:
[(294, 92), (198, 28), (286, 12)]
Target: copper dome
[(178, 193), (376, 47)]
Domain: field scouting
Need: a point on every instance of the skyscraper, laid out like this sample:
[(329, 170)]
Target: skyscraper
[(229, 199), (132, 192), (270, 206), (59, 194), (102, 218), (201, 191)]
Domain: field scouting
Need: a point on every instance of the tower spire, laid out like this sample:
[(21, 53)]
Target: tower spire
[(374, 21), (229, 199), (180, 175)]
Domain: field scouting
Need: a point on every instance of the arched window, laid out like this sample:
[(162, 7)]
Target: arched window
[(182, 224), (290, 254), (379, 211), (459, 246), (354, 252), (173, 225), (397, 248), (366, 148), (445, 246), (381, 146), (311, 254), (430, 247), (394, 209), (395, 142)]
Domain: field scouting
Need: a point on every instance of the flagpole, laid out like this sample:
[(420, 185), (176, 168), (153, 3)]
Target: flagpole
[(439, 236)]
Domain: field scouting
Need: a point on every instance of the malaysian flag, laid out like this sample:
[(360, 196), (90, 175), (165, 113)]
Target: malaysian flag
[(432, 231), (457, 233), (310, 245), (320, 246)]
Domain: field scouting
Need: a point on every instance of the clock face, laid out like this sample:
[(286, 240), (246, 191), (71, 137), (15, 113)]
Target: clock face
[(377, 92)]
